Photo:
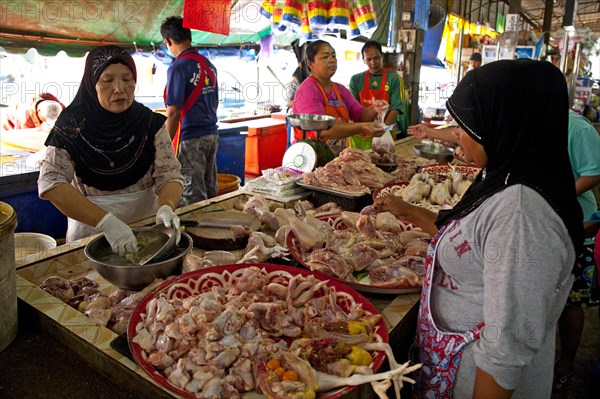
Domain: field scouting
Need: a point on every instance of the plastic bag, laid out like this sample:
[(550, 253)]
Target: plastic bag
[(384, 144)]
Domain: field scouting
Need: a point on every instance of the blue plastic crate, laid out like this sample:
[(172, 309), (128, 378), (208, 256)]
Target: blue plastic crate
[(231, 155)]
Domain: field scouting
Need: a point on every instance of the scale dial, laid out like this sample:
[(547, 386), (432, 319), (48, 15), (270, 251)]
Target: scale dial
[(300, 156)]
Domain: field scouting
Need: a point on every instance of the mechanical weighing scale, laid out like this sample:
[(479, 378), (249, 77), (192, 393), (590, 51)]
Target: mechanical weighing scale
[(308, 153)]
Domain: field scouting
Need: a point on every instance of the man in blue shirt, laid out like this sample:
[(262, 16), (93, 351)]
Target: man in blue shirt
[(191, 97)]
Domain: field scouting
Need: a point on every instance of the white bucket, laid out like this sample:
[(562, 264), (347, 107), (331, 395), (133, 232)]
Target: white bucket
[(8, 276), (32, 243)]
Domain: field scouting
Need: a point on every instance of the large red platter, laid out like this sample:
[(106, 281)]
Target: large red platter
[(444, 168), (201, 281), (336, 222), (435, 169)]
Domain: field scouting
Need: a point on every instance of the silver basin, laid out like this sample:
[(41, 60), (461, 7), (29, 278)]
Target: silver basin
[(438, 152), (311, 122), (130, 276)]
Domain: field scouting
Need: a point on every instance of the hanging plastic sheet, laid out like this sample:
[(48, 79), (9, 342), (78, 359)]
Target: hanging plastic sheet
[(365, 17), (317, 16), (306, 32), (339, 14), (292, 15), (267, 8), (353, 30), (276, 23)]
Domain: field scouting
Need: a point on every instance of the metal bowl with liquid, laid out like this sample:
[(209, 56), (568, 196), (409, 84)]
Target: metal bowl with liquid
[(121, 272)]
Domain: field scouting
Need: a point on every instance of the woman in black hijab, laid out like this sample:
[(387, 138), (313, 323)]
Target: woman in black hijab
[(499, 268), (109, 160)]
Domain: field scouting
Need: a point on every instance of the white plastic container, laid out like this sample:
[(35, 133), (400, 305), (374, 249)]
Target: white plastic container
[(32, 243), (8, 277)]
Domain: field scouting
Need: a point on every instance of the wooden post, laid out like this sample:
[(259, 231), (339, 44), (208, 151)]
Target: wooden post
[(547, 27)]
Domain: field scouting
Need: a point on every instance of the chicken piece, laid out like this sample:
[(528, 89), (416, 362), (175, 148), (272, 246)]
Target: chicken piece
[(239, 231), (281, 234), (385, 221), (369, 210), (417, 247), (239, 203), (220, 257), (99, 315), (319, 352), (406, 236), (256, 205), (361, 256), (327, 382), (283, 216), (415, 191), (350, 219), (318, 224), (440, 193), (307, 236), (328, 262), (271, 385), (365, 225), (261, 247), (457, 178), (394, 275), (252, 279), (192, 262), (269, 220), (302, 207)]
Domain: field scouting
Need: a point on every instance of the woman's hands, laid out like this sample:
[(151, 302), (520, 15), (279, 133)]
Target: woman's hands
[(166, 216), (118, 234), (374, 129), (395, 205), (419, 131), (422, 217), (380, 106)]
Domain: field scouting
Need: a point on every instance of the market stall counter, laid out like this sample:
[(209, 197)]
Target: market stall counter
[(99, 346)]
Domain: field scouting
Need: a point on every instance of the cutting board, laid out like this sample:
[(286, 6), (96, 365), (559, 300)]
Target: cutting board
[(219, 238)]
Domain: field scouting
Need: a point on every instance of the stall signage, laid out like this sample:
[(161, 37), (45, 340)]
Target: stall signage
[(512, 22), (202, 15)]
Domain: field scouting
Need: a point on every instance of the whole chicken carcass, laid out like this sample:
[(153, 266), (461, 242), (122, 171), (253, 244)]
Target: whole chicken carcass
[(415, 191), (308, 236), (440, 193), (385, 221), (256, 205)]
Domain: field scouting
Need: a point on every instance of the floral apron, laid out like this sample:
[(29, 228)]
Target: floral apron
[(335, 108), (367, 97), (439, 352)]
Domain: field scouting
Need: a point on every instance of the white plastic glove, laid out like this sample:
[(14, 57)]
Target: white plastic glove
[(118, 234), (166, 216)]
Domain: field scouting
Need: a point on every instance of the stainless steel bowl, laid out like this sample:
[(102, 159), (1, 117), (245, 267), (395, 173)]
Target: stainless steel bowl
[(311, 122), (135, 277), (438, 152)]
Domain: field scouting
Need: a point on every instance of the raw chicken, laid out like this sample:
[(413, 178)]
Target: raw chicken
[(440, 193), (415, 191), (261, 247)]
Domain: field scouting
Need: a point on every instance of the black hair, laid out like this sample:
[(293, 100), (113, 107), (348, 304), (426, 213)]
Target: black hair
[(475, 57), (371, 44), (172, 28), (313, 48)]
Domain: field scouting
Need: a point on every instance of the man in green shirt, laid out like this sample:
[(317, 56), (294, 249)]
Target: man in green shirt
[(377, 83)]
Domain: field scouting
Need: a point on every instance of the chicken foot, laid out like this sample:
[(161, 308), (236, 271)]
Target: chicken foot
[(327, 382), (378, 346)]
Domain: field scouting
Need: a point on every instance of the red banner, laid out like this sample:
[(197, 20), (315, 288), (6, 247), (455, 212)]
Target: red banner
[(207, 15)]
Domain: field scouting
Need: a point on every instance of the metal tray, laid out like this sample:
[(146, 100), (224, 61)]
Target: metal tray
[(341, 193)]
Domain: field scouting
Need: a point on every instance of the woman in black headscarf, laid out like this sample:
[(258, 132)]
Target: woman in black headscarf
[(109, 160), (499, 268)]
